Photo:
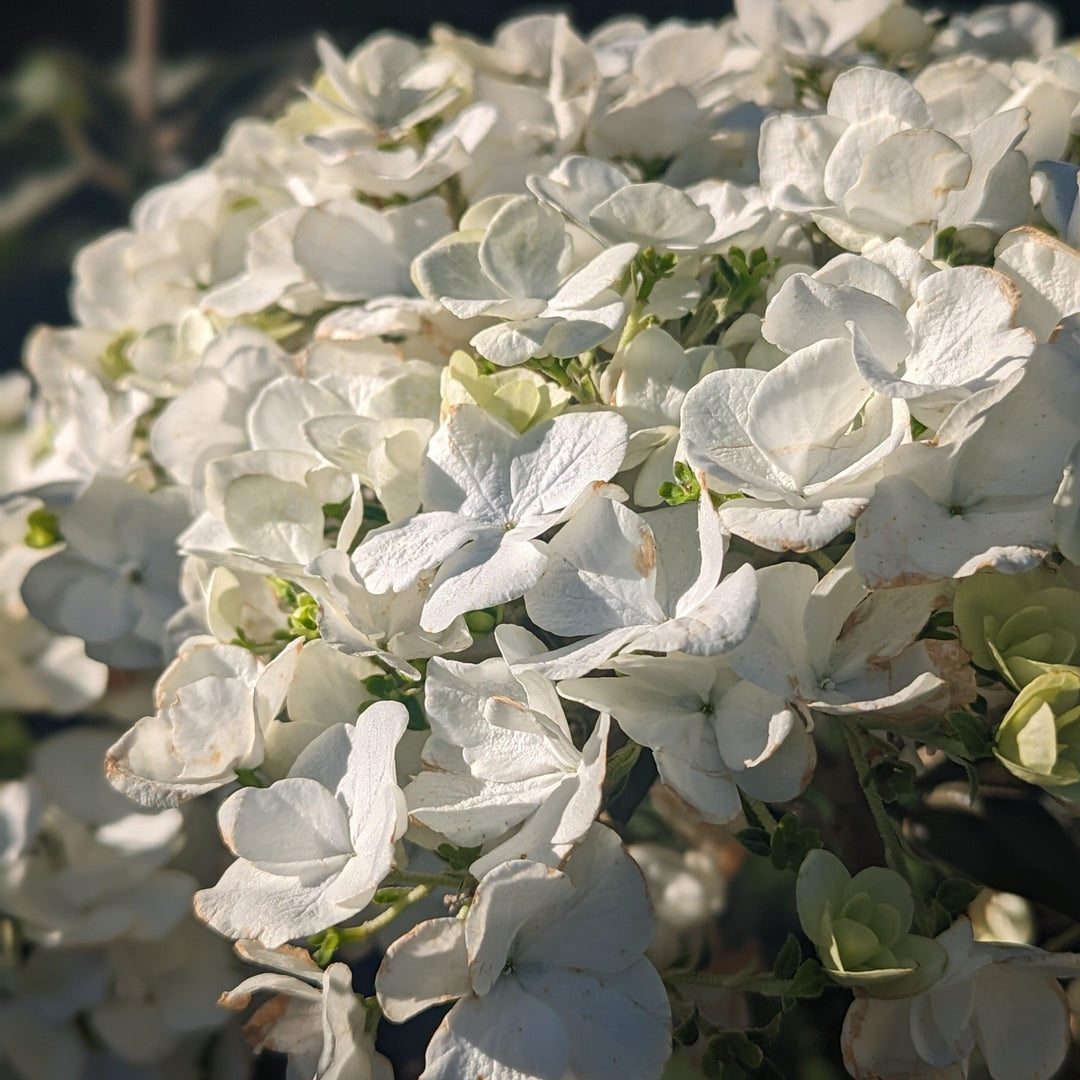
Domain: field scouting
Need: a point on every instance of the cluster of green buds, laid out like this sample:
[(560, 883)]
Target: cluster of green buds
[(1020, 625), (1039, 739), (861, 928)]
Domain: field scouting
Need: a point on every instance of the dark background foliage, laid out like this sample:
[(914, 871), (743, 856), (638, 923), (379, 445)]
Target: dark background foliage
[(223, 58)]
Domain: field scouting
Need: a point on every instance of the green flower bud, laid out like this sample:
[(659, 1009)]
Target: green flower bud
[(1039, 739), (860, 926), (1022, 625), (517, 395)]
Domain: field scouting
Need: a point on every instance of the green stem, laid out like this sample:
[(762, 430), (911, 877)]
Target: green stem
[(755, 984), (633, 324), (350, 935), (896, 857), (821, 561), (886, 827), (449, 879)]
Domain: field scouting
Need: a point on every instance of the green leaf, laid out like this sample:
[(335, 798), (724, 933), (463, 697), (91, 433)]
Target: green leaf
[(788, 958), (458, 858), (756, 841), (791, 843), (619, 765), (972, 732), (688, 1031), (810, 980), (957, 894)]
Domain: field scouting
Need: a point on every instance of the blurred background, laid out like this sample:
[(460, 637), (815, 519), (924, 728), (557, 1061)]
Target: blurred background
[(100, 100)]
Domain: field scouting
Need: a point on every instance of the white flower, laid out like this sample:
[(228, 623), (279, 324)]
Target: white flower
[(500, 757), (1047, 273), (39, 1039), (388, 84), (1003, 999), (1066, 512), (91, 868), (519, 270), (314, 1016), (215, 706), (805, 443), (114, 582), (969, 500), (162, 993), (959, 334), (615, 210), (871, 166), (384, 626), (835, 647), (354, 156), (647, 582), (207, 419), (487, 493), (688, 890), (341, 250), (312, 848), (710, 732), (45, 672), (550, 971)]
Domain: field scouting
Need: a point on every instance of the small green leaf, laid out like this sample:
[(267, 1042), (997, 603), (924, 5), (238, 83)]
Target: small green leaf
[(957, 894), (756, 841), (809, 981), (788, 958)]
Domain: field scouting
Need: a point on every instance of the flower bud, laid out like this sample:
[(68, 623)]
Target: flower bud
[(518, 396), (1022, 625), (860, 926), (1039, 739)]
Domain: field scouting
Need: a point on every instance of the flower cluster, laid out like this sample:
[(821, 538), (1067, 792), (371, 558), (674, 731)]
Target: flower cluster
[(514, 441)]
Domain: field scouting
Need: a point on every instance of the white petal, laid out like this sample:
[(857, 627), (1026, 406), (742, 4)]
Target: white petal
[(424, 967)]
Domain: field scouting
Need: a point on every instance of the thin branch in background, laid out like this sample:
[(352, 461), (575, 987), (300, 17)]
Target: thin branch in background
[(143, 36)]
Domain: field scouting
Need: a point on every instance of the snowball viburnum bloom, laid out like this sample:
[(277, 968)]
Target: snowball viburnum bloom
[(711, 733), (518, 270), (1003, 999), (871, 166), (86, 867), (114, 584), (603, 200), (549, 967), (835, 647), (957, 335), (487, 493), (969, 501), (804, 443), (648, 582), (313, 848), (313, 1016), (214, 703), (500, 757)]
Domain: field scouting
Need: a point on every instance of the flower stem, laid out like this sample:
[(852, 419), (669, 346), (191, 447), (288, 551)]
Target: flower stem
[(890, 839), (351, 934), (755, 984), (449, 879)]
